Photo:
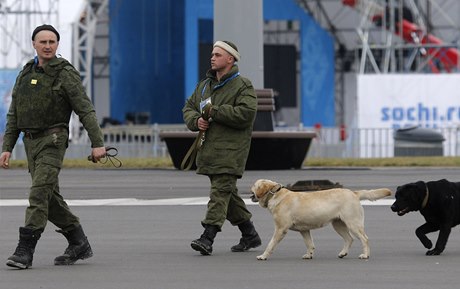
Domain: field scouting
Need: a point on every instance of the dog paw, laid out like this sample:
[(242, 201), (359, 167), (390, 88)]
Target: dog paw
[(261, 258), (434, 252), (363, 256), (307, 256), (341, 255)]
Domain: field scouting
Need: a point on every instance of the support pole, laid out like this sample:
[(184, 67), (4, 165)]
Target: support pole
[(241, 22)]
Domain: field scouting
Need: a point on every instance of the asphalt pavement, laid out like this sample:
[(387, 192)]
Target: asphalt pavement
[(140, 224)]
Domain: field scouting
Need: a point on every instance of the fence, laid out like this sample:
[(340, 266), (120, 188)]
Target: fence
[(374, 143), (142, 141)]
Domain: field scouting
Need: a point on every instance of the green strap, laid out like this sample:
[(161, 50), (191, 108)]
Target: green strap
[(190, 156)]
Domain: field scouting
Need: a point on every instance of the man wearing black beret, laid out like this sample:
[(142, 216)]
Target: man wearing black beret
[(46, 92), (48, 28)]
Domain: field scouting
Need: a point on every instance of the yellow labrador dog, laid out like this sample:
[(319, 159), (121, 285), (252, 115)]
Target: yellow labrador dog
[(304, 211)]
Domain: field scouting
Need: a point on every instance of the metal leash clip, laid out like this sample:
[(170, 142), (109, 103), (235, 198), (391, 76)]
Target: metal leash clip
[(110, 155)]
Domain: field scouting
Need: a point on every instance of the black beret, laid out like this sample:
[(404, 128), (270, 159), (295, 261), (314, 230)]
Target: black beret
[(45, 27)]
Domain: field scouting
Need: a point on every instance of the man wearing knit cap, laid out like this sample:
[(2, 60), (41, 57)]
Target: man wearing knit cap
[(229, 47), (223, 108), (46, 92)]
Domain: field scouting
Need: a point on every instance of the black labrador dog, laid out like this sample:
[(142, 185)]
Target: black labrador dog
[(439, 204)]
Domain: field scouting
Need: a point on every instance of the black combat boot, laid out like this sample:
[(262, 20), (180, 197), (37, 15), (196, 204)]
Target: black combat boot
[(23, 256), (204, 243), (78, 249), (250, 238)]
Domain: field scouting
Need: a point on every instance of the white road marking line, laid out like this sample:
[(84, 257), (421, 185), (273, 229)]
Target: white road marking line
[(160, 202)]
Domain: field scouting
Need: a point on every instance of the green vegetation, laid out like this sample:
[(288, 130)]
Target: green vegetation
[(151, 163), (131, 163)]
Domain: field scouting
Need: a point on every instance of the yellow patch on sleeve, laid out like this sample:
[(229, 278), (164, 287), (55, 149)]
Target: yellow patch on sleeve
[(33, 81)]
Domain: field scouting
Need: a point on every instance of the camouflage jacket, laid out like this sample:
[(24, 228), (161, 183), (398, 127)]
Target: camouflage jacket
[(45, 97), (228, 138)]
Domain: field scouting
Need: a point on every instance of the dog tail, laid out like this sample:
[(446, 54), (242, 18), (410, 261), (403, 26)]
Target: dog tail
[(373, 195)]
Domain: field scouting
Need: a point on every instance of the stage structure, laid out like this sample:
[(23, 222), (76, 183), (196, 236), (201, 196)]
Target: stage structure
[(18, 18), (392, 36), (365, 33), (421, 50), (368, 40), (90, 38)]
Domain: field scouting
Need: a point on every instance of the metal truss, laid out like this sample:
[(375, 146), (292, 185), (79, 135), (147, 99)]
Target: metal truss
[(18, 18), (393, 36), (368, 39), (90, 55), (90, 61)]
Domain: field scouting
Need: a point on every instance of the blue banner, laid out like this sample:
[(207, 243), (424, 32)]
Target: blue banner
[(7, 78)]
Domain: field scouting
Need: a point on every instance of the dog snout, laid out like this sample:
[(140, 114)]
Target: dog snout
[(394, 207), (254, 197)]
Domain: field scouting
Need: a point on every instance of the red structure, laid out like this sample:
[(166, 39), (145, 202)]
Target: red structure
[(441, 58)]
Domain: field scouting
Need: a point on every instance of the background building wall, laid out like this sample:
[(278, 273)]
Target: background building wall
[(7, 79), (147, 59), (154, 58)]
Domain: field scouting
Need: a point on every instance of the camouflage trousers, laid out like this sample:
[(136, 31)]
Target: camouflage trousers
[(44, 157), (225, 202)]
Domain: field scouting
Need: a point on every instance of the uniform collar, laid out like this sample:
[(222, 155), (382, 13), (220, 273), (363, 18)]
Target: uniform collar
[(212, 74)]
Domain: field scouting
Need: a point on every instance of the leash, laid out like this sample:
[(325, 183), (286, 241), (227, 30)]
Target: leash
[(190, 156), (110, 155)]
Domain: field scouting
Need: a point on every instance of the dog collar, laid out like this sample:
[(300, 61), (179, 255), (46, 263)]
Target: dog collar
[(280, 186), (425, 200), (272, 192)]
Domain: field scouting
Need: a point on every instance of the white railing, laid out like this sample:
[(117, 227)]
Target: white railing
[(144, 142), (378, 143)]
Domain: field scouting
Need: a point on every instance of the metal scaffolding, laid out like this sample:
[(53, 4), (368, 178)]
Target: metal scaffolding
[(393, 36), (87, 38), (90, 42), (18, 18), (388, 36)]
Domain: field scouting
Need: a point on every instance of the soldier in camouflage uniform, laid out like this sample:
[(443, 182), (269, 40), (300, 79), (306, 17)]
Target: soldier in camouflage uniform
[(46, 92), (223, 106)]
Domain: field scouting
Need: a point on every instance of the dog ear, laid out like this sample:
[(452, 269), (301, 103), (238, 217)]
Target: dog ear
[(418, 192), (420, 185), (403, 188), (262, 187)]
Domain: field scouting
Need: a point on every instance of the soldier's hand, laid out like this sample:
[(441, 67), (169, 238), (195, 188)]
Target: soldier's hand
[(98, 153), (5, 160), (203, 125)]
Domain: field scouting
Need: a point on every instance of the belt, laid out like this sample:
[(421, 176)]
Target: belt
[(34, 135)]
